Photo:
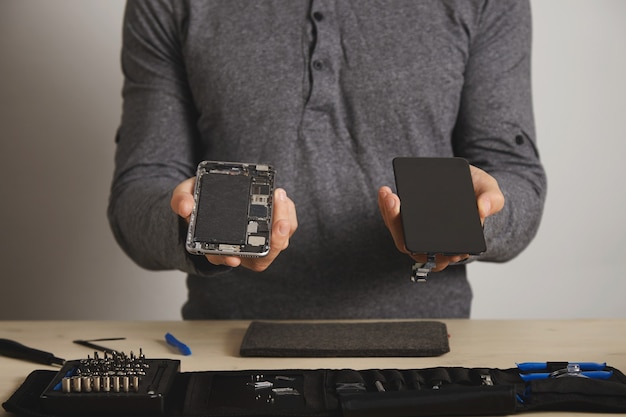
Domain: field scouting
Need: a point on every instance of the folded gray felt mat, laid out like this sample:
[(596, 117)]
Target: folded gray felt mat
[(342, 339)]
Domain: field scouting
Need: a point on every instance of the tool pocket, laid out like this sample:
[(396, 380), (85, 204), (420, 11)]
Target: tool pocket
[(257, 393), (426, 392), (575, 394)]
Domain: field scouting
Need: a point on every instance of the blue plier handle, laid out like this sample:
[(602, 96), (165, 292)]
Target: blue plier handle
[(584, 374), (543, 366)]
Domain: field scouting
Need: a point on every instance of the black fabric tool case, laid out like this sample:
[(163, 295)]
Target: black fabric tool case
[(359, 393)]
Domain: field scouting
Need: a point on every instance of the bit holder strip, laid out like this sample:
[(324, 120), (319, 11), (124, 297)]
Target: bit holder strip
[(113, 383)]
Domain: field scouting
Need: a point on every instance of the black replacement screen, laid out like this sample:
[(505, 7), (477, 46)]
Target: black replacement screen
[(223, 208), (438, 206)]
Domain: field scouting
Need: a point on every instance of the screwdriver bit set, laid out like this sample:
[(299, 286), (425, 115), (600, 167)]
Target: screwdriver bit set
[(114, 382)]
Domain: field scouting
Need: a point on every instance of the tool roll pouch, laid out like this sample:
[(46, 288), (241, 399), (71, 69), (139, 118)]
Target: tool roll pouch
[(480, 391), (357, 393)]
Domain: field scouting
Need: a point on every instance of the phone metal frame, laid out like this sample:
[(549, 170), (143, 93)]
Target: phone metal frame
[(216, 216)]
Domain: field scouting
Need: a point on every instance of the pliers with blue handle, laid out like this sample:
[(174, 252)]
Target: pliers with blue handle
[(544, 366), (576, 369), (583, 374)]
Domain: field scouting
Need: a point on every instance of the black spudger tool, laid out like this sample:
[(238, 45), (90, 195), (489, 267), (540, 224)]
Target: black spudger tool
[(13, 349)]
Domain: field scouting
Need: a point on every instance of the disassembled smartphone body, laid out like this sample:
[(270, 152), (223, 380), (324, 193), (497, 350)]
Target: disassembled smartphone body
[(233, 209)]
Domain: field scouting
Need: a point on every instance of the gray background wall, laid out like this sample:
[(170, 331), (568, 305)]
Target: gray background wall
[(60, 105)]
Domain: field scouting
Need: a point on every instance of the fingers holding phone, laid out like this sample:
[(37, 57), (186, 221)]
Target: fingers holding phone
[(284, 224), (389, 205)]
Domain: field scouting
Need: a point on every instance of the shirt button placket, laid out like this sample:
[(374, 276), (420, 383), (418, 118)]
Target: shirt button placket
[(321, 99), (321, 38)]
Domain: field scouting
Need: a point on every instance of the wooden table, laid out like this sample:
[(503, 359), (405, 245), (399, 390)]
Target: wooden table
[(215, 345)]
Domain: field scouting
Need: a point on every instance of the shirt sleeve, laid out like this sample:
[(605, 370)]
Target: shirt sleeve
[(495, 128), (156, 141)]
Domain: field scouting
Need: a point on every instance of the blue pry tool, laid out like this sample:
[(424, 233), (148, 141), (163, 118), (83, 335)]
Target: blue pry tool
[(172, 341)]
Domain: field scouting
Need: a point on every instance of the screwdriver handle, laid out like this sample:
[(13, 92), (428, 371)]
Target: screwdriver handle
[(17, 350)]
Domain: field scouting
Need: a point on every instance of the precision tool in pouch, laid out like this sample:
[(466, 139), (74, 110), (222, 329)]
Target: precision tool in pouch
[(90, 344)]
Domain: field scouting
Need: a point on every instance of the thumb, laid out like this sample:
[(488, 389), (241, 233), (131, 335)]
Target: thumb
[(182, 198), (484, 208)]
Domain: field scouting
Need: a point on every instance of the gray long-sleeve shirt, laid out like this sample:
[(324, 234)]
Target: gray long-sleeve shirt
[(328, 92)]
